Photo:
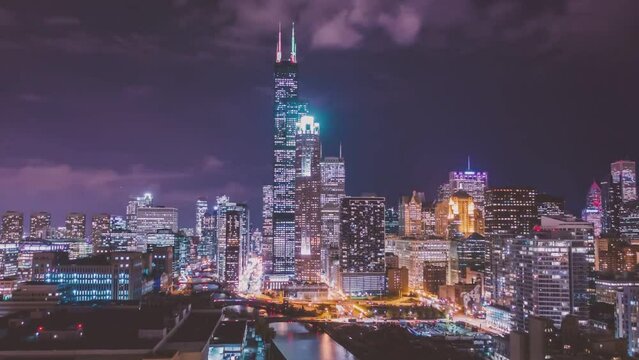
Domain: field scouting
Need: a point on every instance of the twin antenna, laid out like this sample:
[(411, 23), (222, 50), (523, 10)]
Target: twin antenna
[(278, 55)]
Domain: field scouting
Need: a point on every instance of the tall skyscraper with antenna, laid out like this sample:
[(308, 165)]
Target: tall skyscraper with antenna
[(286, 112)]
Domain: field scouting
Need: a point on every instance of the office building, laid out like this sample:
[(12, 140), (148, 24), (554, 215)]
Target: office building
[(76, 226), (149, 219), (207, 247), (362, 245), (472, 182), (233, 229), (463, 217), (40, 225), (624, 172), (224, 205), (12, 226), (510, 211), (629, 220), (397, 281), (392, 221), (308, 220), (267, 229), (333, 190), (410, 215), (100, 225), (593, 212), (118, 223), (471, 254), (132, 209), (549, 205), (117, 276), (612, 202), (201, 207), (626, 315), (417, 254), (286, 113), (9, 259)]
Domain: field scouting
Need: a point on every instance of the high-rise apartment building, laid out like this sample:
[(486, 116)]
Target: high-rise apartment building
[(308, 219), (333, 190), (12, 226), (553, 271), (362, 245), (510, 211), (40, 225), (624, 172), (201, 207), (286, 112), (76, 226)]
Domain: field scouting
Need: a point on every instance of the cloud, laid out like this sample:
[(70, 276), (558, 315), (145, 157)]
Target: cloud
[(32, 98), (337, 33), (211, 163), (38, 178)]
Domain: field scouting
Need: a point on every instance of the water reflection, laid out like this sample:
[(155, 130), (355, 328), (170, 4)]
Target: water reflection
[(296, 342)]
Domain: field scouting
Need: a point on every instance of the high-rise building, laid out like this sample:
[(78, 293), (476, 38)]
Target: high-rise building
[(593, 212), (463, 217), (417, 254), (553, 271), (286, 113), (629, 220), (362, 245), (40, 225), (76, 226), (410, 215), (233, 229), (624, 172), (308, 220), (12, 226), (471, 253), (626, 315), (100, 225), (150, 219), (201, 207), (267, 229), (132, 209), (118, 223), (510, 211), (333, 190), (549, 205), (472, 182), (223, 206), (612, 202), (208, 244), (392, 221)]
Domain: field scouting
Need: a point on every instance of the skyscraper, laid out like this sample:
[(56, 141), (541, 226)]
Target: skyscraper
[(100, 225), (223, 206), (132, 209), (624, 173), (510, 211), (267, 229), (473, 182), (150, 219), (285, 113), (40, 225), (232, 229), (333, 191), (12, 226), (201, 206), (410, 215), (593, 212), (463, 217), (549, 205), (208, 246), (76, 226), (362, 245), (612, 201), (308, 181)]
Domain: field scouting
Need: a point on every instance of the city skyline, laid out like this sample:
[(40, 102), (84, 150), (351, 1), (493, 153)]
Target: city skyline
[(87, 173)]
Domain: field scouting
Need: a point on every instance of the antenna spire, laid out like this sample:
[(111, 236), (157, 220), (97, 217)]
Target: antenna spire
[(293, 46), (468, 162), (340, 149), (278, 55)]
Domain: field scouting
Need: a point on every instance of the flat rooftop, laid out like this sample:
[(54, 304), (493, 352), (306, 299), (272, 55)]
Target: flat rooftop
[(230, 332)]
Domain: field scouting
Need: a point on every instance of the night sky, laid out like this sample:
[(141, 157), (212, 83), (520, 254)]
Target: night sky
[(100, 100)]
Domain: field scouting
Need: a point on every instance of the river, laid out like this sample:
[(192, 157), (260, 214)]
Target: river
[(294, 341)]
